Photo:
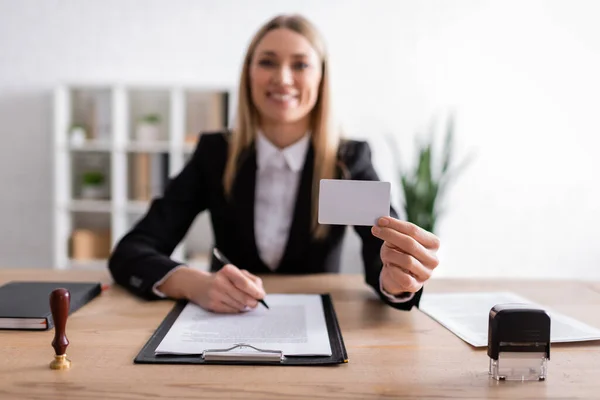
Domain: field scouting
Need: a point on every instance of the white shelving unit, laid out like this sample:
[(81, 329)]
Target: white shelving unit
[(110, 115)]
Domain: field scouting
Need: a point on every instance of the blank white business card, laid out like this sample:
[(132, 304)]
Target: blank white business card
[(351, 202)]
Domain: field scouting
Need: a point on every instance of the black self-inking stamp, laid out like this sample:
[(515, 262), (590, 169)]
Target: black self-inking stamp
[(518, 342)]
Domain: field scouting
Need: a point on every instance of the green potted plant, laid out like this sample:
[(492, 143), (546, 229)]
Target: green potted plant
[(148, 128), (92, 185), (426, 182)]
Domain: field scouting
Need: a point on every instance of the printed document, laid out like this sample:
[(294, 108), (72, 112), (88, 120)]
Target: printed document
[(467, 315), (294, 324)]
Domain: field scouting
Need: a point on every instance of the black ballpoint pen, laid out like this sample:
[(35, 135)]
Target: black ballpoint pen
[(221, 257)]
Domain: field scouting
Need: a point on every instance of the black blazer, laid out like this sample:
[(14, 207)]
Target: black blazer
[(142, 256)]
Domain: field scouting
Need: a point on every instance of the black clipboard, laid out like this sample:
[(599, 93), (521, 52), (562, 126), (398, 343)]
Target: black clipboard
[(256, 356)]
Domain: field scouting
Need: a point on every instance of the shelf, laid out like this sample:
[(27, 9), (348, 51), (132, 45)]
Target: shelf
[(91, 146), (205, 110), (137, 207), (148, 147), (95, 206), (138, 137), (90, 108), (147, 176), (94, 166), (149, 114), (105, 206)]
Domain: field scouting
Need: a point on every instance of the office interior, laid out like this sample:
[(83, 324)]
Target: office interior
[(518, 78), (83, 83)]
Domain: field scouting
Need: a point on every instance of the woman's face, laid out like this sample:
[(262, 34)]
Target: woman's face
[(285, 74)]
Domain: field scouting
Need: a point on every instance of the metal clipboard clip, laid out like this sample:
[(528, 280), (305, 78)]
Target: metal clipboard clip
[(245, 352)]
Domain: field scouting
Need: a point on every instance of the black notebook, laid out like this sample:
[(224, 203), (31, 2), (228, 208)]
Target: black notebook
[(147, 354), (26, 305)]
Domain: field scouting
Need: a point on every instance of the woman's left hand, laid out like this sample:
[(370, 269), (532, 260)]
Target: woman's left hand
[(408, 254)]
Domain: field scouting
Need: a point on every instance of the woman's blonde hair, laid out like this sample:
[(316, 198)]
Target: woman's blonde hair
[(325, 137)]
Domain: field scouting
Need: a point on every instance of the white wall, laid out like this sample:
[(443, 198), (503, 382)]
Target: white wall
[(521, 75)]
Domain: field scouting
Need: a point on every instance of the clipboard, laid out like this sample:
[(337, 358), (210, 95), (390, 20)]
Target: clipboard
[(251, 355)]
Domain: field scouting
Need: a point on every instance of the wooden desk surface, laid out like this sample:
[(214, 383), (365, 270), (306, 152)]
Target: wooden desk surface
[(392, 354)]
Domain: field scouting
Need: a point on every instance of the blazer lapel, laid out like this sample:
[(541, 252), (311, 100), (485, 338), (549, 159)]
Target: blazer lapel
[(300, 230), (244, 198)]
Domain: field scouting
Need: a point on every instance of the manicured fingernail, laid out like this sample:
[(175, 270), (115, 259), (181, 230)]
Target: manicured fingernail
[(376, 230), (383, 222), (246, 308)]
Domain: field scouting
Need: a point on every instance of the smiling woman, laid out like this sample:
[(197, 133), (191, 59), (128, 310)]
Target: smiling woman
[(260, 183)]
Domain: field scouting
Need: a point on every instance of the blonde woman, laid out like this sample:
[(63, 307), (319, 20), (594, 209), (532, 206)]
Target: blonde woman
[(259, 182)]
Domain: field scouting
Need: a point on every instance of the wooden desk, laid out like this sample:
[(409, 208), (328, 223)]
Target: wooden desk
[(393, 354)]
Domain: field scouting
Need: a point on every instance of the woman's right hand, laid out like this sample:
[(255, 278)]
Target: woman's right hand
[(230, 290)]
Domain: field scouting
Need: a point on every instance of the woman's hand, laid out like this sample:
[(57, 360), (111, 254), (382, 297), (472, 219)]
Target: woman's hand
[(230, 290), (408, 255)]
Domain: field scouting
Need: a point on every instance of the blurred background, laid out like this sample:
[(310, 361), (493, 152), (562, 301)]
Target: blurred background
[(101, 101)]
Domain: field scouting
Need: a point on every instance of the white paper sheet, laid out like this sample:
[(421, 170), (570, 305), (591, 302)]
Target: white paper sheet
[(466, 315), (294, 324)]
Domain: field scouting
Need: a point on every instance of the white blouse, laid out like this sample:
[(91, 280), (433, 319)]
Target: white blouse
[(277, 178)]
